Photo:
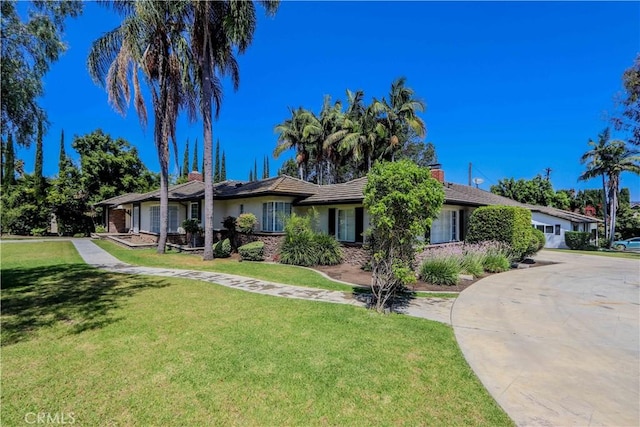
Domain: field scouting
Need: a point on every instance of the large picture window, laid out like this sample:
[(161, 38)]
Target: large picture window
[(274, 215), (172, 219), (445, 227)]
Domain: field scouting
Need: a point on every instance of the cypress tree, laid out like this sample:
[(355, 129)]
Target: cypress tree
[(255, 169), (250, 175), (39, 179), (62, 163), (223, 168), (267, 173), (185, 160), (194, 165), (9, 176), (216, 166)]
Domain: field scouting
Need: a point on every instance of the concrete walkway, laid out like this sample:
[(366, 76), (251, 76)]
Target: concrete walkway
[(557, 345), (438, 309)]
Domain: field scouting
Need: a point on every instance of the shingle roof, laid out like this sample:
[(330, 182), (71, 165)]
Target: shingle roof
[(347, 192), (284, 185)]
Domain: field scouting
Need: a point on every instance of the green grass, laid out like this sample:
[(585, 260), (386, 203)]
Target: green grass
[(286, 274), (606, 253), (119, 350)]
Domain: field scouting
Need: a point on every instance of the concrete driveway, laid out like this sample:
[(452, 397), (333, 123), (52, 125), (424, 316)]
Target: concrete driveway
[(557, 345)]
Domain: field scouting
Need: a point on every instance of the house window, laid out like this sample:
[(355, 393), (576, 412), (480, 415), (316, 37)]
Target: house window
[(557, 229), (445, 227), (241, 209), (173, 219), (274, 215), (194, 210), (548, 229), (540, 227), (347, 225)]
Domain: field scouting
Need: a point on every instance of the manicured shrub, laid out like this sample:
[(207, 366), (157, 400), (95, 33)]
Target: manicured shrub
[(508, 224), (577, 240), (100, 229), (328, 249), (471, 263), (441, 271), (253, 251), (222, 249), (302, 246), (298, 247), (246, 223), (542, 240), (496, 262)]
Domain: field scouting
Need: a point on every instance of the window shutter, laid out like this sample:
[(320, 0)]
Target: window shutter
[(359, 224), (332, 221)]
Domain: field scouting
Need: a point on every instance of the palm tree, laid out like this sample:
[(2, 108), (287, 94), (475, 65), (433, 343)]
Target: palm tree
[(291, 133), (401, 118), (217, 29), (595, 167), (149, 40), (609, 159)]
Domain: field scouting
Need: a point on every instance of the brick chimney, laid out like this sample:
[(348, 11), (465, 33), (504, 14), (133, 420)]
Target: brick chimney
[(195, 176), (437, 172)]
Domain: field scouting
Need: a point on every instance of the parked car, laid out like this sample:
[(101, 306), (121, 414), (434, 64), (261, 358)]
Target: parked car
[(623, 245)]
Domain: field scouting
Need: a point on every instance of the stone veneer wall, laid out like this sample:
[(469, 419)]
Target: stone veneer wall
[(271, 243), (177, 239)]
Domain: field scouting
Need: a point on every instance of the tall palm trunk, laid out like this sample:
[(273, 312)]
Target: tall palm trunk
[(208, 156), (613, 200), (604, 206), (161, 136)]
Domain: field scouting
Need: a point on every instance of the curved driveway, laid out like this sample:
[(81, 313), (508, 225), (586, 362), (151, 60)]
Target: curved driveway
[(557, 345)]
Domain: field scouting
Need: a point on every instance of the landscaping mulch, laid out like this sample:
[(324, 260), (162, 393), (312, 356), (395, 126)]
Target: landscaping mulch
[(354, 274)]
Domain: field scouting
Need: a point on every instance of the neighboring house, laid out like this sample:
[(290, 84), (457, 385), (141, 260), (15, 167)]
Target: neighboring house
[(338, 207)]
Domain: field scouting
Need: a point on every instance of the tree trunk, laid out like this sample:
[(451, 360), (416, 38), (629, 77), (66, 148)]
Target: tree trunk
[(613, 197), (208, 149), (605, 206), (164, 206)]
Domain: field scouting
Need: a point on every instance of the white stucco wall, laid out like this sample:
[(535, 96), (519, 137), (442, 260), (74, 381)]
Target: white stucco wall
[(145, 214), (554, 240)]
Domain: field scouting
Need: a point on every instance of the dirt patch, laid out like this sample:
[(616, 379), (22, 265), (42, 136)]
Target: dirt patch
[(353, 274)]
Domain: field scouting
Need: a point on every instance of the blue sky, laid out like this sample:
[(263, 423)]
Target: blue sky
[(512, 87)]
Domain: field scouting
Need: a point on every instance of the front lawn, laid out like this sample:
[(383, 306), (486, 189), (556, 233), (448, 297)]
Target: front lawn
[(279, 273), (110, 349), (607, 253)]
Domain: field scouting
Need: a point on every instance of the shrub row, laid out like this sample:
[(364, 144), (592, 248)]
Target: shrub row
[(577, 240), (443, 266)]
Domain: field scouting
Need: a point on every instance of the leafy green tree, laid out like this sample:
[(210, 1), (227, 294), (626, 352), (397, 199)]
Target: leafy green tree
[(29, 47), (68, 202), (537, 191), (151, 40), (629, 119), (110, 167), (23, 211), (9, 173), (289, 167), (402, 200)]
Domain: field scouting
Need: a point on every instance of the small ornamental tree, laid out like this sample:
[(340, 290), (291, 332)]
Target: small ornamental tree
[(402, 200)]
